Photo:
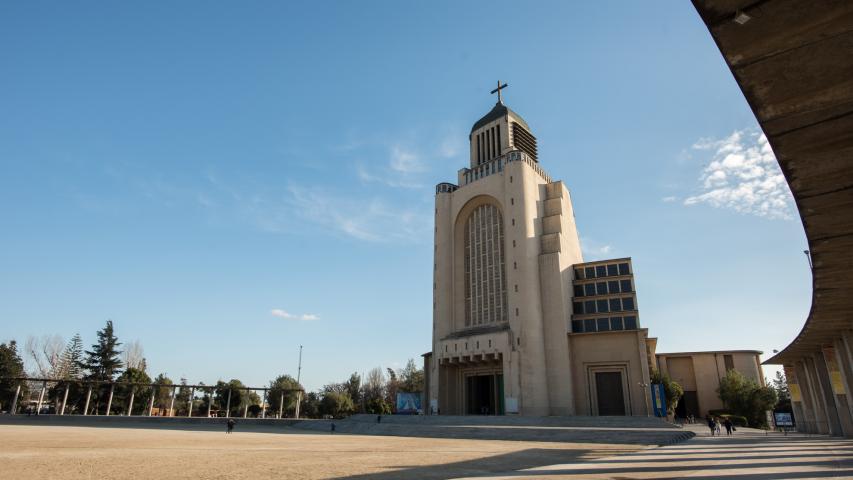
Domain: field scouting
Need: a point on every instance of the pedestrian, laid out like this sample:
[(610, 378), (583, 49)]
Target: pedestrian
[(728, 424), (230, 425), (712, 425), (717, 422), (333, 427)]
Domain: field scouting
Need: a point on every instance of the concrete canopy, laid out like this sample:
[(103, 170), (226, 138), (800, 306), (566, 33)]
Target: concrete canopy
[(793, 61)]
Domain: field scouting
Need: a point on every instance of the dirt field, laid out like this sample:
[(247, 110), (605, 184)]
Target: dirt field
[(37, 452)]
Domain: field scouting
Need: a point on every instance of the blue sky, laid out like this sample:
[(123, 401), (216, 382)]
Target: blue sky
[(227, 182)]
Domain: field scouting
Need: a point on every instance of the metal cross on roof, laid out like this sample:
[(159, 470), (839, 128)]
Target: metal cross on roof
[(500, 87)]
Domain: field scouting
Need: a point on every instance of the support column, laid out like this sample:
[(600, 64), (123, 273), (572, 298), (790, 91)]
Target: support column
[(65, 399), (821, 401), (845, 363), (832, 414), (88, 397), (298, 404), (264, 405), (41, 398), (810, 410), (151, 401), (228, 405), (190, 402), (110, 400), (172, 403), (209, 402), (130, 405), (281, 405), (246, 406), (14, 408)]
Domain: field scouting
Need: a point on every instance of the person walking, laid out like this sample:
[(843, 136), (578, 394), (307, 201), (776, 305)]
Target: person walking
[(712, 425), (229, 425), (728, 425), (718, 422)]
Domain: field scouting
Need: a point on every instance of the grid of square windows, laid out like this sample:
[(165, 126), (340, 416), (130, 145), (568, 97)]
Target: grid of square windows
[(604, 288), (600, 271), (604, 305), (604, 324)]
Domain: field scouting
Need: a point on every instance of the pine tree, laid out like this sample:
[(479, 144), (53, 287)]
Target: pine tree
[(11, 366), (104, 362), (72, 358)]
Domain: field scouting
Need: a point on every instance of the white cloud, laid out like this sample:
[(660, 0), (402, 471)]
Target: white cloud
[(668, 199), (277, 312), (405, 161), (743, 176), (369, 220), (593, 250)]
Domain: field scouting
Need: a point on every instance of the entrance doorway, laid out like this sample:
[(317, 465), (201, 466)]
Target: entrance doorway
[(688, 405), (609, 392), (484, 394)]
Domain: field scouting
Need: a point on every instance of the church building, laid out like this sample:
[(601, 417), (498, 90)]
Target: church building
[(521, 324)]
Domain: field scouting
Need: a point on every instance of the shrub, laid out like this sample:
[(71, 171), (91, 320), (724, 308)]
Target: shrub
[(747, 398)]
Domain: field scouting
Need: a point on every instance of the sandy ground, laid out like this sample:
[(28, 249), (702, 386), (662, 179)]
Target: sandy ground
[(37, 452)]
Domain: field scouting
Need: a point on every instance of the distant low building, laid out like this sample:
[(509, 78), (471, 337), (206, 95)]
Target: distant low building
[(699, 374)]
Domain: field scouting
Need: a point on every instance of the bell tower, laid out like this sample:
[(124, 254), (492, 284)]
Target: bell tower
[(498, 132)]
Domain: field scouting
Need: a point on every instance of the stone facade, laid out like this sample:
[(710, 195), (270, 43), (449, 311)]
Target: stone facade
[(699, 374), (505, 247)]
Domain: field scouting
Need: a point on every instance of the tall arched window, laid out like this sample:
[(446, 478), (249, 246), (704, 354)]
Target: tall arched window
[(485, 274)]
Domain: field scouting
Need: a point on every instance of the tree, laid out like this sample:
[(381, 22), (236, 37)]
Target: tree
[(378, 406), (140, 393), (286, 386), (373, 390), (239, 396), (72, 359), (745, 397), (182, 398), (134, 355), (391, 387), (411, 378), (780, 384), (69, 368), (671, 389), (336, 404), (163, 396), (310, 406), (11, 365), (46, 354), (103, 361), (353, 388)]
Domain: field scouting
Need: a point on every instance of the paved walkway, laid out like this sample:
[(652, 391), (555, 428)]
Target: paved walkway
[(748, 454)]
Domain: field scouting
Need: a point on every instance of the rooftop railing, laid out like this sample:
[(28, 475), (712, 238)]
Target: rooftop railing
[(496, 165), (470, 175)]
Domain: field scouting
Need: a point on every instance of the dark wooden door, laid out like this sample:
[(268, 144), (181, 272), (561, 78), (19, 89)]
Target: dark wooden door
[(611, 398)]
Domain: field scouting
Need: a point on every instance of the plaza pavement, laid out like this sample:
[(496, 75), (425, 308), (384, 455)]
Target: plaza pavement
[(749, 454)]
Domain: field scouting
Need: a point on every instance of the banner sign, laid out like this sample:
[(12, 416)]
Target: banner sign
[(834, 372), (658, 399), (409, 403), (783, 419), (793, 384)]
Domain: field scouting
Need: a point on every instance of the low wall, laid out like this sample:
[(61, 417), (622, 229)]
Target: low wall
[(120, 421)]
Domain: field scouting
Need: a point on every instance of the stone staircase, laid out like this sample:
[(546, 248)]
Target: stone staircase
[(579, 429)]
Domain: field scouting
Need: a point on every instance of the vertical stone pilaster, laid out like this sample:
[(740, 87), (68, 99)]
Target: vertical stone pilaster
[(813, 411)]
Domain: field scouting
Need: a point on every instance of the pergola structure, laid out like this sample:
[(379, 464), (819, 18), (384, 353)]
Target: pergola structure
[(793, 61), (208, 390)]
